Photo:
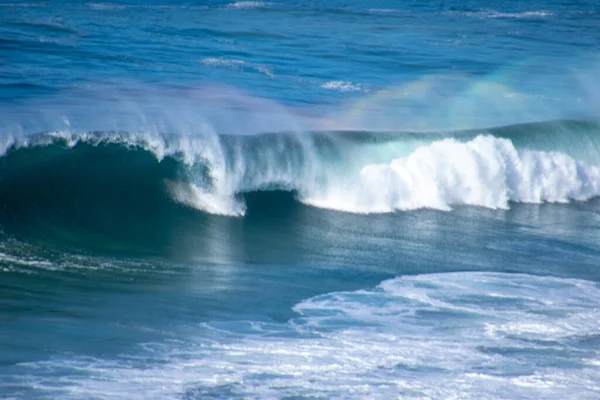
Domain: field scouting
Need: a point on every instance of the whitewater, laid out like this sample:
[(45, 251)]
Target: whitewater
[(273, 200)]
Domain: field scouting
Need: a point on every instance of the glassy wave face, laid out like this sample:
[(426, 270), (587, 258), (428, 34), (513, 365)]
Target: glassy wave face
[(273, 200)]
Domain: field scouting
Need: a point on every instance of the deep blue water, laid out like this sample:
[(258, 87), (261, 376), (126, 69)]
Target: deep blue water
[(294, 200)]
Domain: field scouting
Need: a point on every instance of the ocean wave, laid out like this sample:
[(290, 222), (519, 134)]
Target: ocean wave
[(119, 7), (246, 5), (236, 65), (384, 10), (360, 172), (9, 262), (343, 86), (526, 14), (537, 14), (218, 62), (485, 171)]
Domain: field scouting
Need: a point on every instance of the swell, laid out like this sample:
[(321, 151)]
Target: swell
[(124, 184)]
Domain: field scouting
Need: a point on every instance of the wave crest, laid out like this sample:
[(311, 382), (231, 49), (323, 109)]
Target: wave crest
[(485, 171)]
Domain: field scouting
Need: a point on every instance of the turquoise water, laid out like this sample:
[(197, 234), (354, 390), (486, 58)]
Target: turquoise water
[(269, 200)]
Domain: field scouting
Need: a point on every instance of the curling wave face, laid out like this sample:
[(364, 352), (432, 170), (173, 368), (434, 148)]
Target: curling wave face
[(361, 172)]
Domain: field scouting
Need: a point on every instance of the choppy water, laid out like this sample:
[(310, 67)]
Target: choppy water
[(275, 200)]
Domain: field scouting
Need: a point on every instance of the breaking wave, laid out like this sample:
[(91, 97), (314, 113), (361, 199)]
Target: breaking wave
[(362, 172)]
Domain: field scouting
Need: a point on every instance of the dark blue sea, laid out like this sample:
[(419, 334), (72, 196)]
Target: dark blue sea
[(300, 199)]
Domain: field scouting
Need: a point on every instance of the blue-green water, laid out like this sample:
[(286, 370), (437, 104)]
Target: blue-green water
[(269, 200)]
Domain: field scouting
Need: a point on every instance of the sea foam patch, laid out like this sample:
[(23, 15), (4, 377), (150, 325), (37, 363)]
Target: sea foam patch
[(344, 86), (453, 335)]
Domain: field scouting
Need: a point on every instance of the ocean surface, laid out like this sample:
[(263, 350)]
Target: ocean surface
[(300, 200)]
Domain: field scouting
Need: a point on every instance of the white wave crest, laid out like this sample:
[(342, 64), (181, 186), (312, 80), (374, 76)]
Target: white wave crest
[(520, 15), (343, 86), (486, 171), (507, 15), (246, 5), (222, 62), (214, 203), (236, 65)]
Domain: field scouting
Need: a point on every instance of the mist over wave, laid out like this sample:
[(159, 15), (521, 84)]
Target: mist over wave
[(436, 142)]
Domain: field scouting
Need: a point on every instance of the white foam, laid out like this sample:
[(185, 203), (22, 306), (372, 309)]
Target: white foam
[(14, 261), (105, 6), (194, 197), (219, 61), (384, 10), (412, 337), (246, 5), (520, 15), (508, 15), (343, 86), (118, 7), (485, 171), (236, 65)]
